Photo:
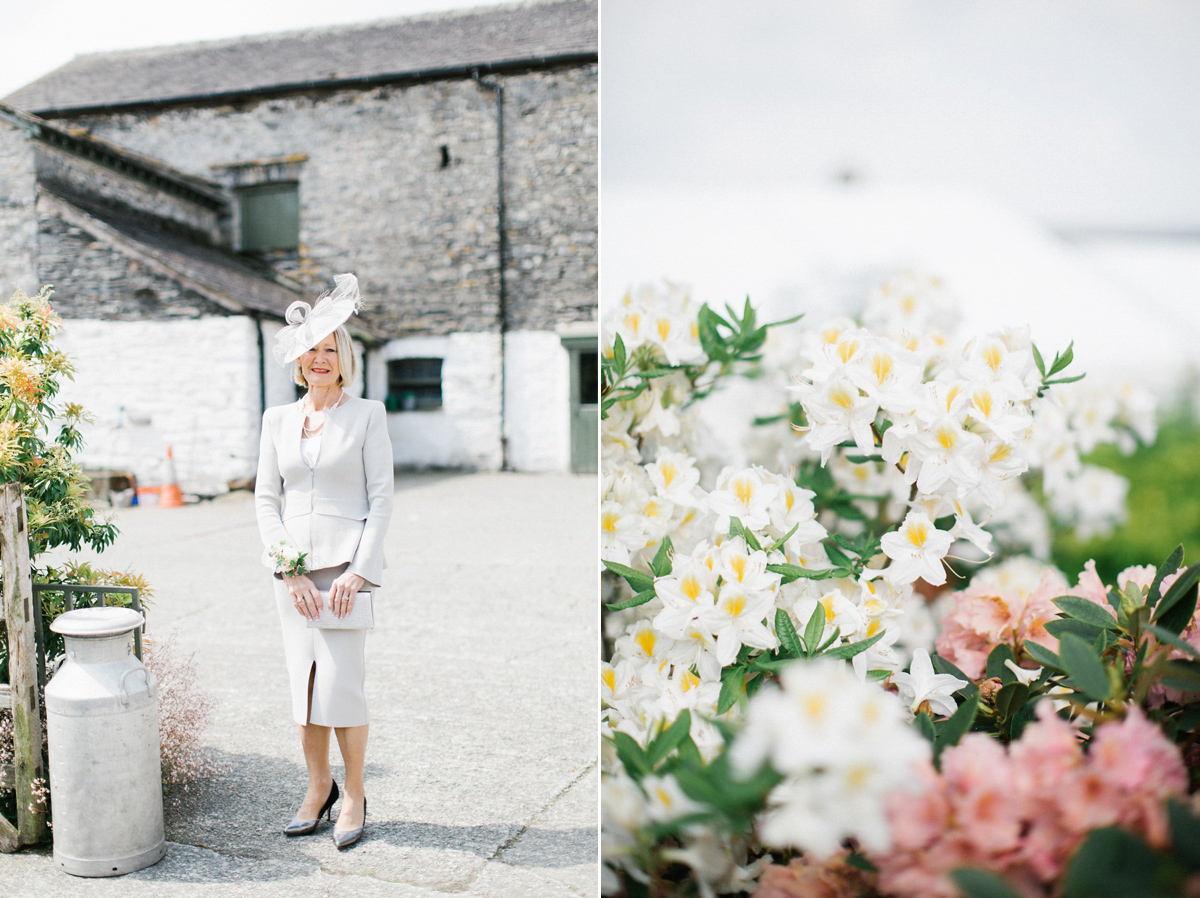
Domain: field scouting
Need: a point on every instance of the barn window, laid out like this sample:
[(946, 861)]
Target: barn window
[(269, 216), (414, 385)]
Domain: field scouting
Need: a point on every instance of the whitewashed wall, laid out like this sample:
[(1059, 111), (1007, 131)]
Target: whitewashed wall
[(465, 432), (191, 384), (537, 411)]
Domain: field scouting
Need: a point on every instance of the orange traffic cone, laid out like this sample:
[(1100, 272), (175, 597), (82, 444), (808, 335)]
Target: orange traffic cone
[(170, 496)]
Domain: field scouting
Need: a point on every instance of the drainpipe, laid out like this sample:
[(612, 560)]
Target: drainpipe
[(502, 249), (262, 367)]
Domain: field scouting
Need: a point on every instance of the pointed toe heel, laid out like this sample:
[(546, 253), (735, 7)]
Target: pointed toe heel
[(298, 827), (343, 840)]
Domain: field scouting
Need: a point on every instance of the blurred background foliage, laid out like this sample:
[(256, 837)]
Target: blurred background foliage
[(1163, 500)]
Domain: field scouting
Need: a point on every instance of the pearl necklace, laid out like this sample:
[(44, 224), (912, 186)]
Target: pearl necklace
[(307, 432)]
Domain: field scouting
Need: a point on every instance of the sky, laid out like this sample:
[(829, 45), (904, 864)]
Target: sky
[(41, 35)]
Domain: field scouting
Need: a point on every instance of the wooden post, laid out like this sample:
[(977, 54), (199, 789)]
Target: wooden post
[(22, 664)]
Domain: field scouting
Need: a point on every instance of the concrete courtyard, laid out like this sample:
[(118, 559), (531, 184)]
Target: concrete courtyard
[(481, 767)]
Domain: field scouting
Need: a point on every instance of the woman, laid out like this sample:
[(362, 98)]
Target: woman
[(324, 499)]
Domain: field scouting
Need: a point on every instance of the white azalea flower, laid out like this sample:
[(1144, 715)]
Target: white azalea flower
[(921, 688), (744, 494), (916, 550)]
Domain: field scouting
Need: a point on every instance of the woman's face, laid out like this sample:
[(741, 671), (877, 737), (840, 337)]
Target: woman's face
[(320, 364)]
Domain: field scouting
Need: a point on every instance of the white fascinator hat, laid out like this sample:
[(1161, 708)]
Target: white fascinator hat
[(309, 325)]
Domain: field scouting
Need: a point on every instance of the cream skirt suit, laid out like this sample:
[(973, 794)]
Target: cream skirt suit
[(337, 510)]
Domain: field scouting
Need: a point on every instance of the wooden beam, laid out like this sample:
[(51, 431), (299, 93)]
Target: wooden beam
[(22, 664)]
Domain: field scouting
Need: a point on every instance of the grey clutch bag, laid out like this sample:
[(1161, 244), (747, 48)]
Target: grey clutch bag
[(361, 617)]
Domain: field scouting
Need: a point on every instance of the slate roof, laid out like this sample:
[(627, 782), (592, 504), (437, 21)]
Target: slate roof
[(443, 45), (214, 274)]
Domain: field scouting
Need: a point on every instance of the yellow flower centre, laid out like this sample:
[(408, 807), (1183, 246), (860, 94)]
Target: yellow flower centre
[(743, 488), (738, 563), (645, 640), (664, 328), (908, 304), (735, 605), (608, 521), (827, 604), (842, 395), (668, 472), (993, 355), (633, 321), (609, 677), (918, 532), (690, 587), (814, 705), (688, 681), (983, 402), (947, 437), (882, 367), (1001, 452), (846, 350)]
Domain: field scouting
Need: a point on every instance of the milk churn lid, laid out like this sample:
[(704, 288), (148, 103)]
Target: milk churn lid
[(97, 622)]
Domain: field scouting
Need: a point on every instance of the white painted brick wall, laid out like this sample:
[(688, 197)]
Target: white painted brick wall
[(537, 401), (191, 384), (465, 432)]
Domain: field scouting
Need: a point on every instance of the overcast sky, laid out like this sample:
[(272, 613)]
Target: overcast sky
[(41, 35), (1080, 112)]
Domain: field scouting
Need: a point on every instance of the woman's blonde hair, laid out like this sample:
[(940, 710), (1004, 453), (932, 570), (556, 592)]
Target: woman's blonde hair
[(347, 363)]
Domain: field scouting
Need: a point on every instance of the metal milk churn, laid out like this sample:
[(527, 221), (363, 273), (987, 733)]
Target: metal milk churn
[(102, 724)]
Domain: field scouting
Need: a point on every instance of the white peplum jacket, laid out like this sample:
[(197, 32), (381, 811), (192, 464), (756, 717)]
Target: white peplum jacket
[(337, 511)]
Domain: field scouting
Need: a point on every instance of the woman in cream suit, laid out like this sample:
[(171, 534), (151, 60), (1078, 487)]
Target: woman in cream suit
[(324, 489)]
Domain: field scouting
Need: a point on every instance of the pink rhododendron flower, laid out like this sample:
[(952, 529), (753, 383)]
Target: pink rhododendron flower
[(1004, 606), (1021, 812)]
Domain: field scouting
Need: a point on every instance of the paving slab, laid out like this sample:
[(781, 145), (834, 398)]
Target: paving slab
[(481, 678)]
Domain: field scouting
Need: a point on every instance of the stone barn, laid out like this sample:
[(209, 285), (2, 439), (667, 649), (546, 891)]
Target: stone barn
[(179, 198)]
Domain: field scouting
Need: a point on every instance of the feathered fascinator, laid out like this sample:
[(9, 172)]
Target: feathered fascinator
[(309, 325)]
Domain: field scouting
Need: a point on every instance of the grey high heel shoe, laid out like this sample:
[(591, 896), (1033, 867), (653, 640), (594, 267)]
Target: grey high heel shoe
[(344, 840), (298, 827)]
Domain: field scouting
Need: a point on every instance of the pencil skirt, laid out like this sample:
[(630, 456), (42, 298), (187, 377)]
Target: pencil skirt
[(333, 661)]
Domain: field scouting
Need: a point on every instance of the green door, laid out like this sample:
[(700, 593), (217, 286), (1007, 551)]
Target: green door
[(585, 403)]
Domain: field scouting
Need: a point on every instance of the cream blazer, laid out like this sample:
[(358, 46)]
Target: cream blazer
[(337, 511)]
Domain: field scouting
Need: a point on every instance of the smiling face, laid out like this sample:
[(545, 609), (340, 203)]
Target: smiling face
[(320, 364)]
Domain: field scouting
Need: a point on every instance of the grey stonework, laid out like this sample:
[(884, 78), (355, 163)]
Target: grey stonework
[(18, 224), (376, 198)]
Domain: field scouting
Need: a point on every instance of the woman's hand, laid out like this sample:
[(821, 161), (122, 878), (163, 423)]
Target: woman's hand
[(305, 595), (342, 593)]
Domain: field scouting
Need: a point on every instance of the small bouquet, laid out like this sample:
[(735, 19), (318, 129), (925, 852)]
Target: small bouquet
[(289, 561)]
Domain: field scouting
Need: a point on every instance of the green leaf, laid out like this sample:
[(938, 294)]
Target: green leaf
[(1185, 834), (1088, 612), (836, 555), (736, 528), (1179, 604), (1170, 566), (1010, 699), (661, 565), (669, 739), (619, 355), (1112, 863), (1085, 669), (974, 883), (635, 579), (854, 648), (733, 681), (814, 629), (1061, 362), (924, 725), (1037, 359), (630, 754), (640, 599), (1182, 675), (787, 634), (995, 663), (1058, 628), (958, 724), (790, 572), (783, 539), (1043, 655)]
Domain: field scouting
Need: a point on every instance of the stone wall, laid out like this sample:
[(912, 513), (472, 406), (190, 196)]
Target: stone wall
[(18, 221), (71, 176), (417, 224)]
